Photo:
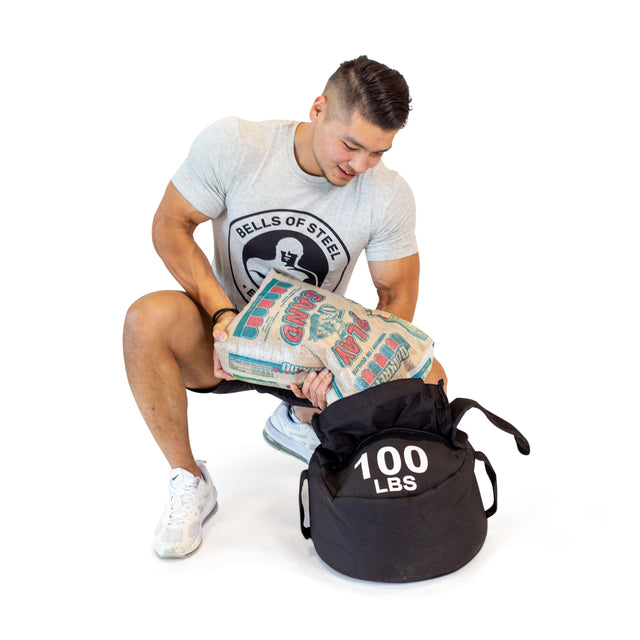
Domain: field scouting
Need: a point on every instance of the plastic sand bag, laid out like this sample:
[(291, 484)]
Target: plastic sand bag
[(289, 329)]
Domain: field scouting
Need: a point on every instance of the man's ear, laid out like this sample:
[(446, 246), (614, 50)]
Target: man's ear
[(319, 106)]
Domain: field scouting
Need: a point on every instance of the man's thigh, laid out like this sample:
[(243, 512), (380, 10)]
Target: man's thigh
[(174, 319)]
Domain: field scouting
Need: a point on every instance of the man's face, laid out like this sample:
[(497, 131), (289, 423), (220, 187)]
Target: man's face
[(344, 147)]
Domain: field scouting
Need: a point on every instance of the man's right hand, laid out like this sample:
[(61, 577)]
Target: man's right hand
[(220, 335)]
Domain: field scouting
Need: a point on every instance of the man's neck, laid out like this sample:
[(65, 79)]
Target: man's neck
[(303, 149)]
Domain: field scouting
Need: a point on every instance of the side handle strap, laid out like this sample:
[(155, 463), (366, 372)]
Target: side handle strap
[(494, 481), (460, 406), (306, 531)]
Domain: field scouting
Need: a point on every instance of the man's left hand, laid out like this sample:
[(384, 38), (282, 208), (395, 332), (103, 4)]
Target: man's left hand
[(315, 388)]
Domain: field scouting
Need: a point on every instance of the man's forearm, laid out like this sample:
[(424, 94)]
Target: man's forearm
[(188, 264)]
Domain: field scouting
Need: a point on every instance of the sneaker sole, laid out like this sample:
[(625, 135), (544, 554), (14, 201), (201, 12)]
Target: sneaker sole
[(279, 446), (186, 554)]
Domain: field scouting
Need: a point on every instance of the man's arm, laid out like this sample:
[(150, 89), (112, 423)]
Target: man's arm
[(396, 282), (397, 285), (173, 227)]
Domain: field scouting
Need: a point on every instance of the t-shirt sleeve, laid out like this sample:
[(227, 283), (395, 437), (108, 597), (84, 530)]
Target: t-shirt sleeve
[(394, 232), (203, 176)]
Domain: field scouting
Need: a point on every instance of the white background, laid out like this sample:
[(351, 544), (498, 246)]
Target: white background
[(522, 150)]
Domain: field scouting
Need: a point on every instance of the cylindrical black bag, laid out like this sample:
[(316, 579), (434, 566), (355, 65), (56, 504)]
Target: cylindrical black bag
[(393, 495)]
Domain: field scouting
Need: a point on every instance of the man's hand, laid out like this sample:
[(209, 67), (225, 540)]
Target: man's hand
[(220, 335), (315, 388)]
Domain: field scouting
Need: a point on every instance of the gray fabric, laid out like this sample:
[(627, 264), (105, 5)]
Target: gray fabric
[(267, 213)]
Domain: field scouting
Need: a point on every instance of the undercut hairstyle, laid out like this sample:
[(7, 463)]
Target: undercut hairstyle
[(379, 93)]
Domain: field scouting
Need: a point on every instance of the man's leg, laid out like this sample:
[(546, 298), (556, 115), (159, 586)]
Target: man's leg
[(436, 373), (168, 347)]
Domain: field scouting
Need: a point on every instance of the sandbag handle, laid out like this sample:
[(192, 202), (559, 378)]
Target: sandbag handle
[(460, 406), (306, 531), (494, 481)]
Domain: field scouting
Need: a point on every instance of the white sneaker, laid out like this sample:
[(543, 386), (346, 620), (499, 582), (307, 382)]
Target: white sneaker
[(295, 438), (191, 501)]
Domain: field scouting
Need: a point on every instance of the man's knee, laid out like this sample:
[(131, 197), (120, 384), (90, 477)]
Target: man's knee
[(170, 323), (147, 318), (436, 374)]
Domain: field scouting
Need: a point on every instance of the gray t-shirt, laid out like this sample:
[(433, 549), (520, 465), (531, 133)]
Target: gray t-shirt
[(267, 213)]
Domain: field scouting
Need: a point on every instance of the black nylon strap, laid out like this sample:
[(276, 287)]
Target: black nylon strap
[(460, 406), (494, 482), (306, 531)]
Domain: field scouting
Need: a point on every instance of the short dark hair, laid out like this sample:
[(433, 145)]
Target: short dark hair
[(379, 93)]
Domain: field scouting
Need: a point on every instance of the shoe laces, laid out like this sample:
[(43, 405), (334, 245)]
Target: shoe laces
[(182, 503)]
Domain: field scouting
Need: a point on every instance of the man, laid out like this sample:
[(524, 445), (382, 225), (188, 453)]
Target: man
[(320, 183)]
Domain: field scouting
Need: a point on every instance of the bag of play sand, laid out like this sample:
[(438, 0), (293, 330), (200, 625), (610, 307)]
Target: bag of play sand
[(289, 329)]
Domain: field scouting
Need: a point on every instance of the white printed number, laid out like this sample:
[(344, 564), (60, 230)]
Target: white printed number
[(389, 462)]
